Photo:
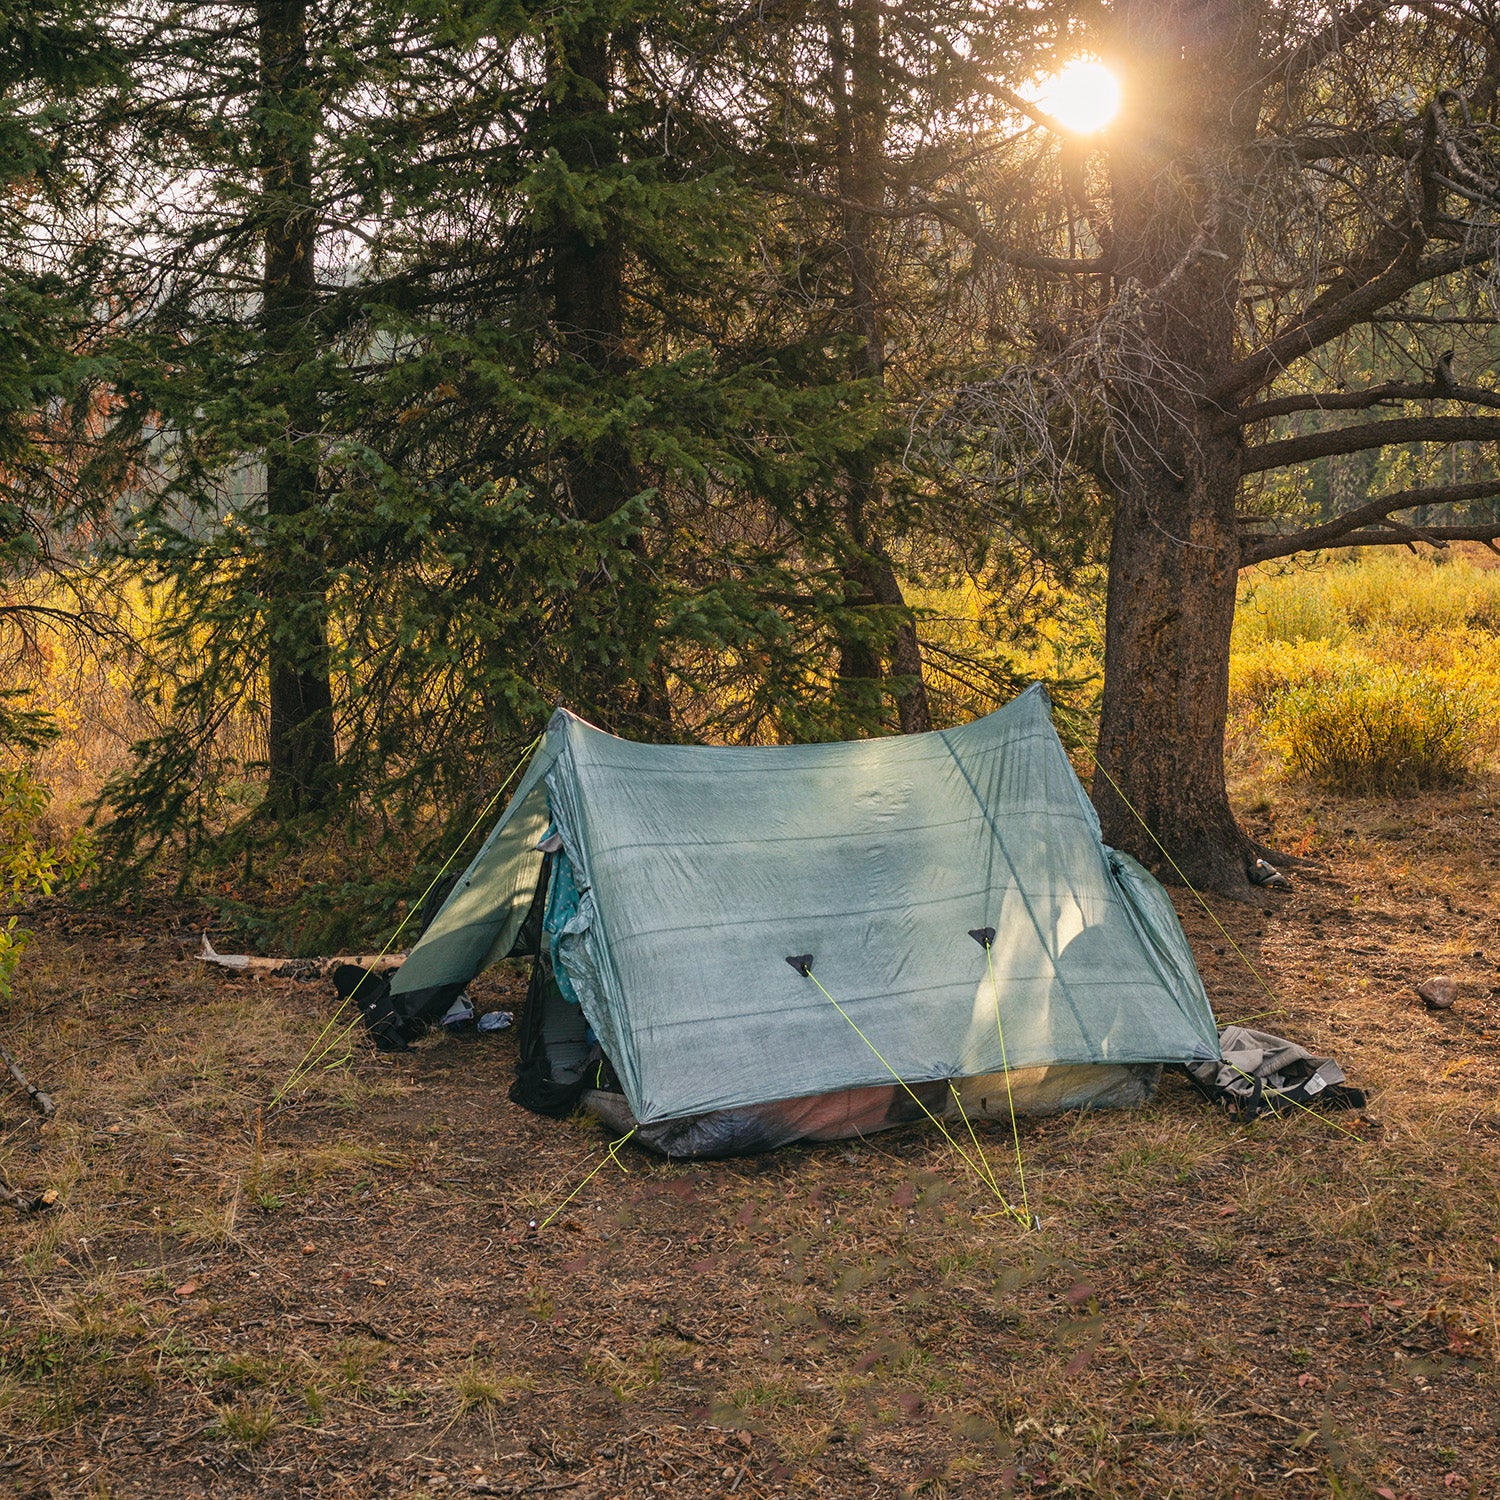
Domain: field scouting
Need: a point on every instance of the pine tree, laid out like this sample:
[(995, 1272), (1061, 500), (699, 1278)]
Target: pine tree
[(860, 116), (55, 62), (438, 376)]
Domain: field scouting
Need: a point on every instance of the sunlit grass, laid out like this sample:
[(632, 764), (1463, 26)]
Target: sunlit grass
[(1411, 644)]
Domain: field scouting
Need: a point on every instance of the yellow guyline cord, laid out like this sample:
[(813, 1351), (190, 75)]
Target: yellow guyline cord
[(989, 1173), (610, 1156), (1280, 1009), (309, 1061), (1010, 1102), (984, 1173)]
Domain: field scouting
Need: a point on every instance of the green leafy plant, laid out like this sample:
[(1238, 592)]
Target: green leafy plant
[(29, 867)]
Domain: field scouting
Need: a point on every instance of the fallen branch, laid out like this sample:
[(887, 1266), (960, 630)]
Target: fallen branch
[(297, 968), (37, 1204), (38, 1098)]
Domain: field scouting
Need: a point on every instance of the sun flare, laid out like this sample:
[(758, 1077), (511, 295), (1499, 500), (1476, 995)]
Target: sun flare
[(1082, 97)]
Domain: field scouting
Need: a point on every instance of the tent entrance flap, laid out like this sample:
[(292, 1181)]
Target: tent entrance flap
[(483, 915)]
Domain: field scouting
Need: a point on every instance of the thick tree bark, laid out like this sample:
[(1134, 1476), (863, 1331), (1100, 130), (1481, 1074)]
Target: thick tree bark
[(1175, 552), (859, 114), (302, 753), (913, 712), (1173, 566)]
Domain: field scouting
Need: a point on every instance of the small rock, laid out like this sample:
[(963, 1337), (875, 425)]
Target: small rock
[(1438, 993)]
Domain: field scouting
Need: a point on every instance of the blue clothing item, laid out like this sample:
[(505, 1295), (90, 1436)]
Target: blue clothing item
[(563, 897)]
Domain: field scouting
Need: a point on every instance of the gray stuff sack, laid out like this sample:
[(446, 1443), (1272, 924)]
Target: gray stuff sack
[(1260, 1072)]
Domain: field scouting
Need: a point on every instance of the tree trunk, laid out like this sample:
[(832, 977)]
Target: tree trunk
[(1173, 566), (588, 286), (913, 713), (859, 116), (1174, 555), (300, 740), (862, 677)]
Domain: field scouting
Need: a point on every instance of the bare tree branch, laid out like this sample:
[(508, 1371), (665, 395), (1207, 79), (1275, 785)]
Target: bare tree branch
[(959, 215), (1406, 272), (1437, 320), (1298, 61), (1337, 531), (1375, 395), (1365, 435), (1037, 116), (1344, 145), (1437, 536)]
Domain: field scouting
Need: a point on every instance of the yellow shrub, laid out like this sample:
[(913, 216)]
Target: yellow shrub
[(1386, 732), (1258, 677), (1294, 607), (29, 868), (1373, 630), (1367, 592)]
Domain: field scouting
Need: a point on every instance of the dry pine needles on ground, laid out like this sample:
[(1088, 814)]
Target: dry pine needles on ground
[(344, 1297)]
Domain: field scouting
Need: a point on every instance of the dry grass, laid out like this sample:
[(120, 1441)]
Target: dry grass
[(343, 1297)]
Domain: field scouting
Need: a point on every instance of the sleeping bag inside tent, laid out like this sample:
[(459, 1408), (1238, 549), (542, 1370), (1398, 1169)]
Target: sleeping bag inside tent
[(735, 947)]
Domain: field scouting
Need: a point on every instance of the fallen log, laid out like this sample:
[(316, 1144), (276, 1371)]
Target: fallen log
[(296, 968), (37, 1097)]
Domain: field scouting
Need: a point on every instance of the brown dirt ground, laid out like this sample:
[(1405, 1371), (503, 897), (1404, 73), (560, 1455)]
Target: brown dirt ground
[(344, 1296)]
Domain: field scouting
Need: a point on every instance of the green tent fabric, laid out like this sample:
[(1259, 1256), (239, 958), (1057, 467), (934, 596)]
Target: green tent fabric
[(702, 869)]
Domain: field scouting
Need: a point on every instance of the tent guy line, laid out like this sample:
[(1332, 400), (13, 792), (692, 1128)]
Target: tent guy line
[(1063, 711), (989, 1171), (611, 1155), (309, 1062), (802, 963), (985, 937), (1260, 1015)]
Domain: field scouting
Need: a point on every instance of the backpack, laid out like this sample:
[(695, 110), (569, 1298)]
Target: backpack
[(389, 1028)]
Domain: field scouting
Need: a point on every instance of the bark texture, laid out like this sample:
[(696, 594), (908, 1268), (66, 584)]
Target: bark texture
[(301, 749), (588, 307), (860, 117), (1175, 552)]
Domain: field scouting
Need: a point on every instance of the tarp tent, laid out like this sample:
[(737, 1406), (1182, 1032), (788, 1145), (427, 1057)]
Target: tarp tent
[(696, 872)]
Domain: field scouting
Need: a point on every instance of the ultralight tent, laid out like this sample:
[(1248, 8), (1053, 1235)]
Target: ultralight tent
[(766, 943)]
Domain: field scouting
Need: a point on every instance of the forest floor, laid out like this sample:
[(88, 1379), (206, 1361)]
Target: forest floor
[(344, 1296)]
